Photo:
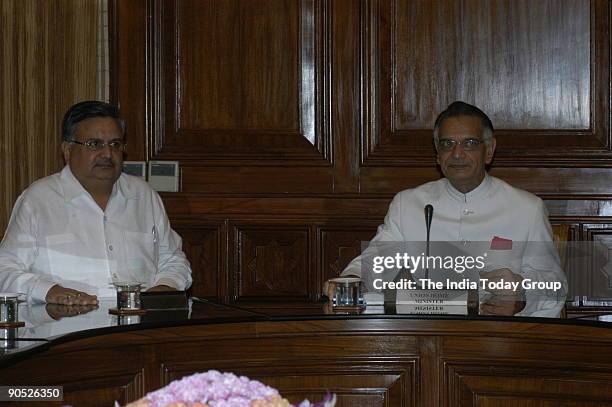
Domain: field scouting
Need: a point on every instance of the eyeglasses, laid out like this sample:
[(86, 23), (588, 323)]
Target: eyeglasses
[(96, 144), (469, 144)]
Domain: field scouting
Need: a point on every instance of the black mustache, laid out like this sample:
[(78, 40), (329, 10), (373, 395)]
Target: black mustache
[(105, 163)]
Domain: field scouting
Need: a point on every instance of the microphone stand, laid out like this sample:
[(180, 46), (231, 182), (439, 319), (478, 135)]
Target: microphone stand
[(428, 218)]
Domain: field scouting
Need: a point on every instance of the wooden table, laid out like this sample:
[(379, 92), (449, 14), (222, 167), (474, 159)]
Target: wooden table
[(368, 360)]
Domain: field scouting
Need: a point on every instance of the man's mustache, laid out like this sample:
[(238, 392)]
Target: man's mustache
[(105, 163)]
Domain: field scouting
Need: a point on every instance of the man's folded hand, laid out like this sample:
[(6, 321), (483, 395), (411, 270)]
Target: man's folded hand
[(504, 275), (68, 296)]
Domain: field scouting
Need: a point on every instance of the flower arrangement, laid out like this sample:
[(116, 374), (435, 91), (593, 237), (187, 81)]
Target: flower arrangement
[(215, 389)]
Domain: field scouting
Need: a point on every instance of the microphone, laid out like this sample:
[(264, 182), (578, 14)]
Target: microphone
[(428, 218)]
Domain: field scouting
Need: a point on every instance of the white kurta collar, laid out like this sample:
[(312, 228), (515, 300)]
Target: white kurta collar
[(476, 194), (72, 188)]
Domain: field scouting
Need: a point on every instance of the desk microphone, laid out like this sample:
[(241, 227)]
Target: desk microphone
[(428, 218)]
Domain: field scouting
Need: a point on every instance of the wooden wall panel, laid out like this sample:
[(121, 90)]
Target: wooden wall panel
[(543, 180), (298, 120), (527, 63), (47, 63), (239, 80), (597, 281), (271, 262), (204, 248), (534, 67), (257, 180), (346, 103), (253, 33), (340, 246), (128, 49)]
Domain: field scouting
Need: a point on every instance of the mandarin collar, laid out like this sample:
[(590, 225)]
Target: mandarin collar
[(475, 194)]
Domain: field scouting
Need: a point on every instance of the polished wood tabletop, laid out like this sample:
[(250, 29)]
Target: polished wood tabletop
[(305, 350)]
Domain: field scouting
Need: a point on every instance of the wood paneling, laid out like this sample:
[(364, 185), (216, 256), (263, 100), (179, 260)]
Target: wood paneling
[(542, 180), (383, 385), (204, 249), (365, 361), (112, 374), (534, 67), (296, 121), (271, 262), (339, 247), (128, 48), (279, 87), (249, 180), (595, 281), (495, 385), (104, 391), (239, 80), (279, 232), (47, 63), (345, 82), (526, 63), (253, 33)]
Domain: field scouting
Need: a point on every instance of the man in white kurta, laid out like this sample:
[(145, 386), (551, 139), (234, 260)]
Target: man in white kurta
[(72, 234), (493, 209), (475, 210), (59, 235)]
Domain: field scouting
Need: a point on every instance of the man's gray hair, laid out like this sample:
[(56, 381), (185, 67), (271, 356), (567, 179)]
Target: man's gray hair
[(460, 108)]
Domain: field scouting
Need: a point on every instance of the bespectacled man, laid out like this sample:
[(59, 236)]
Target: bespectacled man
[(472, 208), (75, 233)]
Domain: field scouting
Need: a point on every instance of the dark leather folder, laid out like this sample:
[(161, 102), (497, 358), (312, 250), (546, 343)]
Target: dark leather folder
[(164, 300)]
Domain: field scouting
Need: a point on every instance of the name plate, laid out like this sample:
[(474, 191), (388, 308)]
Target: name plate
[(432, 297), (431, 309)]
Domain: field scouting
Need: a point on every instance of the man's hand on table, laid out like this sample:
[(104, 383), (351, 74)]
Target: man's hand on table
[(506, 302), (328, 288), (68, 296), (502, 305), (507, 276)]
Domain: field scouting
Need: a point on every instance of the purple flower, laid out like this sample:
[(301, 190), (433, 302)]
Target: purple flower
[(218, 389), (215, 388)]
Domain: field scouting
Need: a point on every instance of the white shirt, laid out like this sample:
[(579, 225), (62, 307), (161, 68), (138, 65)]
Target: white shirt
[(493, 209), (59, 235)]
